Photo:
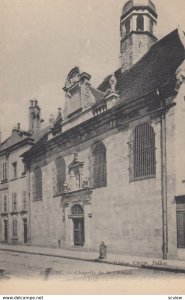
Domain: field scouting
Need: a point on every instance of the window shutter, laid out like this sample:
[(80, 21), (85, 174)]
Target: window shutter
[(181, 229)]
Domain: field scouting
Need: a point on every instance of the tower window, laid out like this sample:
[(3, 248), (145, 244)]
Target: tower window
[(127, 26), (140, 23), (151, 26), (142, 154), (99, 165)]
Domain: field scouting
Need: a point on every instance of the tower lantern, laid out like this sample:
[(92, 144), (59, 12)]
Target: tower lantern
[(137, 29)]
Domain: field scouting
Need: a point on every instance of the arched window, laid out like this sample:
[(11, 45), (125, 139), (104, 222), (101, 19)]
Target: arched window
[(38, 184), (5, 204), (140, 23), (143, 152), (99, 165), (77, 210), (14, 227), (127, 26), (61, 174)]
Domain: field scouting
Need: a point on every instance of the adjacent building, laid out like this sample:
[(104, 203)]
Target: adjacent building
[(14, 181)]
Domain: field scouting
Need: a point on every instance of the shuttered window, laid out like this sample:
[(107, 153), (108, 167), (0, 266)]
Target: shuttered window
[(14, 227), (14, 202), (38, 184), (61, 174), (4, 171), (24, 201), (180, 209), (181, 229), (5, 207), (99, 165), (144, 152)]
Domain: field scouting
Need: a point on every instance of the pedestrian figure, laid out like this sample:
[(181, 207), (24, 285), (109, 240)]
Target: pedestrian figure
[(102, 251)]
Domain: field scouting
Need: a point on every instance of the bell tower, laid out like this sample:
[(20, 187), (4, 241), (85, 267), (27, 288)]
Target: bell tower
[(137, 29)]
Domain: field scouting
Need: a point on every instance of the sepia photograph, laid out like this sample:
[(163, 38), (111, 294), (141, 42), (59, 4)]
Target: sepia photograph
[(92, 143)]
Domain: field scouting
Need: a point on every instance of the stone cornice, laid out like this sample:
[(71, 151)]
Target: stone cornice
[(102, 123)]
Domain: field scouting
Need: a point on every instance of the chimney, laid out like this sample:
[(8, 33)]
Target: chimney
[(34, 116), (19, 126)]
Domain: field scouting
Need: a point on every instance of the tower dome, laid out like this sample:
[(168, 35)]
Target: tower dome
[(139, 4)]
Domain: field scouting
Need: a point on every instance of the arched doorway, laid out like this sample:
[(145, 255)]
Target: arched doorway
[(78, 224)]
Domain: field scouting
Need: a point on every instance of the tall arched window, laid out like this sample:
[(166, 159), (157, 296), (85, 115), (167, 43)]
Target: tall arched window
[(143, 152), (61, 174), (38, 184), (140, 23), (14, 227), (99, 165)]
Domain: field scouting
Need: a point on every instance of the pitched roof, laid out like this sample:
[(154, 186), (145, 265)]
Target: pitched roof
[(154, 69), (99, 96)]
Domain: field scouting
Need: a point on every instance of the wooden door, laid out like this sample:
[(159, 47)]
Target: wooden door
[(78, 225), (25, 227)]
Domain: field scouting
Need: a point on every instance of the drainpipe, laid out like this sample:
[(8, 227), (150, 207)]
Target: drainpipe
[(164, 181), (29, 200)]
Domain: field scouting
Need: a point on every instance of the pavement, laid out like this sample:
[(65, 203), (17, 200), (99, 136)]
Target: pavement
[(176, 266)]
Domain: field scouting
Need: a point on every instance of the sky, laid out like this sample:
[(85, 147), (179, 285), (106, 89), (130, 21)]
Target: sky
[(42, 40)]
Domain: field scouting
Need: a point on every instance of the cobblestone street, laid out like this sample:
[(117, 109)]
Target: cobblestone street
[(20, 265)]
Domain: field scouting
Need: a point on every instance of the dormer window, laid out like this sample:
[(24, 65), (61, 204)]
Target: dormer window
[(140, 23)]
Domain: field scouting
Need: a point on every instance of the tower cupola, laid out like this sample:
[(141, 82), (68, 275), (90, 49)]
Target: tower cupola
[(137, 29)]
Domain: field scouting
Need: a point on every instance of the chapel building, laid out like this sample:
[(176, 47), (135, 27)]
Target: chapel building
[(110, 166)]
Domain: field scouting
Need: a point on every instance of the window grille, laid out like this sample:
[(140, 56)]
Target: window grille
[(38, 184), (142, 153), (99, 165), (61, 174), (140, 23)]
